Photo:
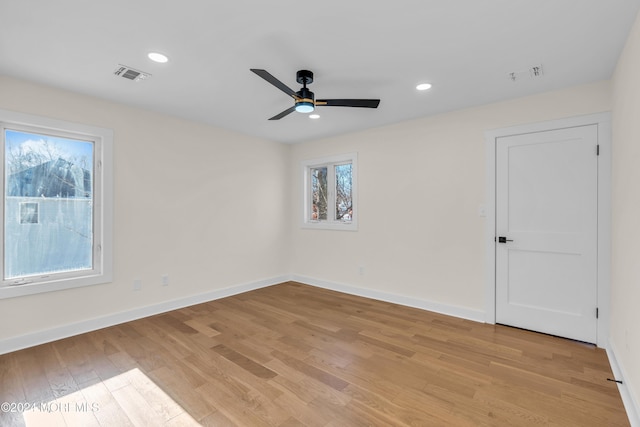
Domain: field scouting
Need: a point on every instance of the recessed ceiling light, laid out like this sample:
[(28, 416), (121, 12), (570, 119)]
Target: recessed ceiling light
[(158, 57), (423, 86), (314, 116)]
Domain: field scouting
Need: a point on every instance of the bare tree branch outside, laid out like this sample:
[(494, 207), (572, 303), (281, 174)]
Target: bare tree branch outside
[(319, 194), (323, 196), (344, 202)]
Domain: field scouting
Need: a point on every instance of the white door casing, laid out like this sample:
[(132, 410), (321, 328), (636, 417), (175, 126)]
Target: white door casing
[(553, 253)]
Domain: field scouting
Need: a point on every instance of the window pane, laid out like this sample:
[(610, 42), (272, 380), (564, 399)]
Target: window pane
[(28, 213), (48, 190), (319, 196), (344, 203)]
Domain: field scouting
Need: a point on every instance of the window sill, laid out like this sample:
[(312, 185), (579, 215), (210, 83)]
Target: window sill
[(12, 291), (324, 225)]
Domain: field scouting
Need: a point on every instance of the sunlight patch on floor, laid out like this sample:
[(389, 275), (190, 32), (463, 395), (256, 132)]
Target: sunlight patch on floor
[(128, 398)]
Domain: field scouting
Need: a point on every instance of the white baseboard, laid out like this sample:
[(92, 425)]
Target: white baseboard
[(36, 338), (628, 398), (450, 310)]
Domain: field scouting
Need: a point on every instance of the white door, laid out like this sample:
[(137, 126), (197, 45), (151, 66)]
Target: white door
[(546, 226)]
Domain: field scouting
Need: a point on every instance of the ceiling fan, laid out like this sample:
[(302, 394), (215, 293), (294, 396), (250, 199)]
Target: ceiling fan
[(304, 98)]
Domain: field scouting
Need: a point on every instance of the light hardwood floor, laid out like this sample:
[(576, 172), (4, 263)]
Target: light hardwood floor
[(291, 355)]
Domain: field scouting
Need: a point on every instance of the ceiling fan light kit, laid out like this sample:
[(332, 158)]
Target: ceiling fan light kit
[(304, 99), (303, 106)]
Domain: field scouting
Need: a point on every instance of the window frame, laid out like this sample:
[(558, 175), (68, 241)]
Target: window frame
[(330, 162), (102, 270)]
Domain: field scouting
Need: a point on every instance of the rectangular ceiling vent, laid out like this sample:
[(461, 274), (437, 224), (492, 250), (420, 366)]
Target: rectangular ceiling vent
[(534, 73), (131, 73)]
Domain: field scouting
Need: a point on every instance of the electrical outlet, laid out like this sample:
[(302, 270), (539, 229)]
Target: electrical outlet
[(361, 270), (137, 285), (165, 280)]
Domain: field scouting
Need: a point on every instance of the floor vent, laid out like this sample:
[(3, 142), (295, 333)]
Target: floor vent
[(131, 73)]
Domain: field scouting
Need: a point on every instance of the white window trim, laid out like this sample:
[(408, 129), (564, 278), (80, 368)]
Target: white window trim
[(330, 224), (103, 205)]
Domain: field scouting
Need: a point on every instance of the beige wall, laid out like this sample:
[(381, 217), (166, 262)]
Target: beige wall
[(625, 298), (201, 204), (421, 184)]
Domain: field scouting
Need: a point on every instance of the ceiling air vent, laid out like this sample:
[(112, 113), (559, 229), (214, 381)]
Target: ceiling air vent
[(534, 73), (130, 73)]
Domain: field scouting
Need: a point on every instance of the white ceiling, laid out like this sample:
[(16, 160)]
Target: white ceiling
[(356, 49)]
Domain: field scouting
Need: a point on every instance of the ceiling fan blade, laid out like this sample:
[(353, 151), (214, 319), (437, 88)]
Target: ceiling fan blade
[(284, 113), (366, 103), (277, 83)]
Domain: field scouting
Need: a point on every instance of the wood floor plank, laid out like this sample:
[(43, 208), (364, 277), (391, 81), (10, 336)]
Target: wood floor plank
[(11, 389), (394, 414), (216, 419), (34, 380), (244, 362), (300, 411), (104, 406), (291, 355), (136, 408), (189, 398)]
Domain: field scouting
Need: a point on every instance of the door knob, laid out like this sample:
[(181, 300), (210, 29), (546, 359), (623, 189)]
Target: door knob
[(503, 239)]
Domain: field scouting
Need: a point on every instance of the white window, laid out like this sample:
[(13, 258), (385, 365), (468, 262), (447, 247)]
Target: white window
[(57, 205), (330, 193)]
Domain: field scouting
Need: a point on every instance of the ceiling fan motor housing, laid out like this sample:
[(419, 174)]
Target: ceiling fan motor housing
[(305, 95)]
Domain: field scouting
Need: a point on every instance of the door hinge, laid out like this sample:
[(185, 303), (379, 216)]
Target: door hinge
[(597, 312), (598, 150)]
